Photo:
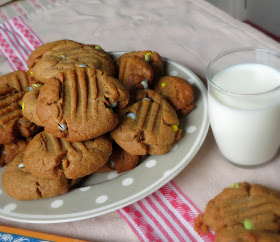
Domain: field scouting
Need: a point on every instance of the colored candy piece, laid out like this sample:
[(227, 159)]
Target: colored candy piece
[(132, 115), (146, 98), (247, 224), (63, 57), (22, 106), (163, 84), (234, 185), (62, 127), (113, 105), (83, 65), (175, 128), (97, 47), (112, 163), (35, 85), (30, 88), (31, 72), (20, 165), (148, 56), (145, 83)]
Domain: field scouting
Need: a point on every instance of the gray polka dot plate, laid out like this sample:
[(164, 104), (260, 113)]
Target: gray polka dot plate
[(107, 192)]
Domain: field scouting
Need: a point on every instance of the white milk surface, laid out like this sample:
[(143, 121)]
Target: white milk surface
[(246, 127)]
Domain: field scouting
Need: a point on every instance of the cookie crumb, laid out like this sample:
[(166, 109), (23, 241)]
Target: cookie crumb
[(199, 226)]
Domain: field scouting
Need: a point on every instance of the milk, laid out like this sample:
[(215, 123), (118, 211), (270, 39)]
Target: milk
[(246, 127)]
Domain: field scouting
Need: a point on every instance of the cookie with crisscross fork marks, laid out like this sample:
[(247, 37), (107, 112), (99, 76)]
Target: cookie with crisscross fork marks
[(49, 59), (12, 124), (148, 125), (76, 105), (20, 184), (49, 157), (245, 212)]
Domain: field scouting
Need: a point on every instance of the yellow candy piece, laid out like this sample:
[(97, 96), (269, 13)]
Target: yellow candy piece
[(36, 85), (31, 72), (163, 84), (175, 128), (97, 47), (148, 56), (234, 185), (22, 106)]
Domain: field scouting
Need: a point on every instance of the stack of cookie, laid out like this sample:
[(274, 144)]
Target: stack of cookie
[(75, 108)]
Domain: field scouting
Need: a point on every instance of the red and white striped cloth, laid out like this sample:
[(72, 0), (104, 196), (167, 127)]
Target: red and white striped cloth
[(167, 214)]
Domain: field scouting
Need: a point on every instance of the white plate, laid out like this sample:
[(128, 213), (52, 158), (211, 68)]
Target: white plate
[(104, 193)]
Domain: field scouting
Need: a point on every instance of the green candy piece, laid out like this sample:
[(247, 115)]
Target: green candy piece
[(247, 224), (234, 185), (97, 47)]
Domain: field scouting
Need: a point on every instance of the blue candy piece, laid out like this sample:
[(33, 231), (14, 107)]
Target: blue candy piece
[(83, 65), (132, 115), (145, 83), (146, 98)]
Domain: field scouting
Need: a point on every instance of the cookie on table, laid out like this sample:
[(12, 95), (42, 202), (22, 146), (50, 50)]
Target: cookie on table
[(149, 125), (20, 184), (121, 161), (134, 72), (49, 157), (244, 212), (9, 151), (151, 57), (12, 124), (77, 104), (178, 92), (49, 59)]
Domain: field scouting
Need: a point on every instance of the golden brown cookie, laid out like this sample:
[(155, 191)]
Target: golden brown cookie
[(120, 161), (134, 72), (49, 157), (151, 57), (49, 59), (76, 105), (18, 79), (244, 212), (20, 184), (178, 92), (148, 125), (12, 124), (29, 106), (9, 151)]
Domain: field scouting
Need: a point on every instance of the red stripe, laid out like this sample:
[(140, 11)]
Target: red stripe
[(171, 227), (130, 224), (152, 217), (178, 222), (8, 33)]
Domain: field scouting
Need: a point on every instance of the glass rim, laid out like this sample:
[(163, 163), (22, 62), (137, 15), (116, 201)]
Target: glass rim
[(210, 80)]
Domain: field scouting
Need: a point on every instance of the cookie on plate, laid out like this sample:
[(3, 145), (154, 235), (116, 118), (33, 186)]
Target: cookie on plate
[(12, 124), (149, 125), (134, 72), (178, 92), (20, 184), (120, 161), (77, 104), (9, 151), (49, 59), (49, 157), (244, 212), (151, 57)]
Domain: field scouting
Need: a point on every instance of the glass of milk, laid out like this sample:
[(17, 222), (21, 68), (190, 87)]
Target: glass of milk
[(244, 105)]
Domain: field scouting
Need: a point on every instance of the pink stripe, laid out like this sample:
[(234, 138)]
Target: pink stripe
[(9, 60), (3, 15), (19, 9), (153, 218), (27, 32), (24, 44), (180, 191), (141, 222), (129, 223), (35, 3), (12, 43), (170, 226), (178, 222)]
